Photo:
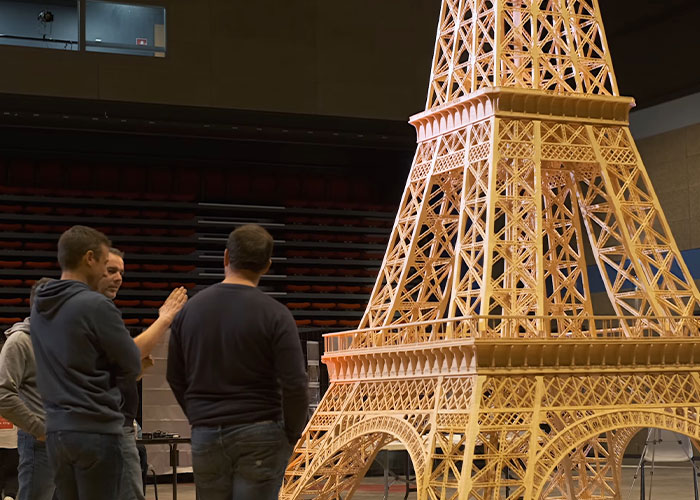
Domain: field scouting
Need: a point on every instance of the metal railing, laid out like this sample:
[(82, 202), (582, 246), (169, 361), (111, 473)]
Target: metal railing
[(515, 328)]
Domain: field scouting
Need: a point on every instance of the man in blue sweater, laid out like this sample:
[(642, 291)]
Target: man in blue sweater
[(82, 348), (237, 370)]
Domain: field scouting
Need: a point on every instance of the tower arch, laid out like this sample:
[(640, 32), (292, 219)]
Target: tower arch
[(582, 431)]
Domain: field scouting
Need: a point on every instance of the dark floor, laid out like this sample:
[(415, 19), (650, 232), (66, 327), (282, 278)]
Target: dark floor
[(670, 482)]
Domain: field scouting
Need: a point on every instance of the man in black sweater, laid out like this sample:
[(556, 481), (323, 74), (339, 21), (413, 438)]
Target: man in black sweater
[(237, 370), (82, 348)]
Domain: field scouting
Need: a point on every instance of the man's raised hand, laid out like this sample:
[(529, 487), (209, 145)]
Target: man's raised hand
[(172, 305)]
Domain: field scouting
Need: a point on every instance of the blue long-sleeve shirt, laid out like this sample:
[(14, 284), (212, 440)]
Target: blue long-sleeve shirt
[(81, 348)]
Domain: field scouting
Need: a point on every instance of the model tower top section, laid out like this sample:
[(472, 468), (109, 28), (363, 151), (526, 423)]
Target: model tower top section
[(557, 46)]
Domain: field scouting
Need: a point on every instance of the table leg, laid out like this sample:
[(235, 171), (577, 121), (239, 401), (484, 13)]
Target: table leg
[(408, 476), (174, 459), (386, 474)]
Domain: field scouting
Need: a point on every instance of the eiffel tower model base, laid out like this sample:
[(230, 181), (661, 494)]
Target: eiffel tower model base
[(536, 421)]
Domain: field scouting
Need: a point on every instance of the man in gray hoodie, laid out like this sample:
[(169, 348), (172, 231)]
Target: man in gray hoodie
[(20, 403), (82, 348)]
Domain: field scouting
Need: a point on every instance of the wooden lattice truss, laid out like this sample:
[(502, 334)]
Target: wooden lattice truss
[(479, 350)]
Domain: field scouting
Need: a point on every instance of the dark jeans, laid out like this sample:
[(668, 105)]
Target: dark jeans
[(88, 466), (35, 473), (8, 471), (239, 461)]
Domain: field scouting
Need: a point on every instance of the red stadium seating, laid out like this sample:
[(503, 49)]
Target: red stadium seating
[(323, 254), (40, 265), (154, 214), (40, 228), (98, 212), (180, 250), (325, 271), (126, 303), (151, 303), (133, 180), (370, 238), (324, 322), (297, 253), (10, 264), (11, 302), (299, 271), (349, 272), (126, 231), (323, 305), (186, 184), (131, 284), (296, 219), (154, 285), (298, 305), (38, 209), (187, 285), (178, 268), (183, 233), (10, 282), (70, 210), (154, 267), (125, 213), (349, 238), (9, 321), (350, 307), (214, 185)]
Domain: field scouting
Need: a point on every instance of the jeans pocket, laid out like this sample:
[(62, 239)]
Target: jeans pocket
[(265, 461), (263, 457), (208, 467)]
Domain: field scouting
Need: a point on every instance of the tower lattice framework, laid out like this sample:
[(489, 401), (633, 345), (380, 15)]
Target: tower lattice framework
[(480, 350)]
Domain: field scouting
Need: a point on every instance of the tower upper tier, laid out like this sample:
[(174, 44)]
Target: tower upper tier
[(557, 46)]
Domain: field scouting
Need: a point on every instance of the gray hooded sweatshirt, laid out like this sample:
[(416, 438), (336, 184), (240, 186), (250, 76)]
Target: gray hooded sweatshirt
[(20, 401)]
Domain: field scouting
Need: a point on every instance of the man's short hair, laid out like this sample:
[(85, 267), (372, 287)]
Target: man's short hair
[(76, 242), (116, 252), (249, 248), (35, 288)]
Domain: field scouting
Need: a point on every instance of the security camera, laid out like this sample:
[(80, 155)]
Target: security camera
[(45, 16)]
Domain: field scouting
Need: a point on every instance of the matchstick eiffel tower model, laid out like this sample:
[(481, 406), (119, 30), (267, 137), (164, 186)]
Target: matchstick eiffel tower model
[(480, 351)]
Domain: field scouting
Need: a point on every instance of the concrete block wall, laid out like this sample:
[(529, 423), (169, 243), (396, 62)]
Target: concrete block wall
[(162, 413)]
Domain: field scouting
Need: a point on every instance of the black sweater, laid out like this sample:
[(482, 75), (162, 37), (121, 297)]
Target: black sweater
[(81, 348), (235, 358)]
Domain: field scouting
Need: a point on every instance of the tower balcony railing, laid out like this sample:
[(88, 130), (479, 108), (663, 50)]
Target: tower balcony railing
[(514, 328)]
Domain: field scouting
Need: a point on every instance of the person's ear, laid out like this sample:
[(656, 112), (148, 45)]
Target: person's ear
[(267, 267), (227, 258), (89, 258)]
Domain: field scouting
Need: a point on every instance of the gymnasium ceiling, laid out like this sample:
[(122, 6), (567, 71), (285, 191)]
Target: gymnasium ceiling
[(655, 46)]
